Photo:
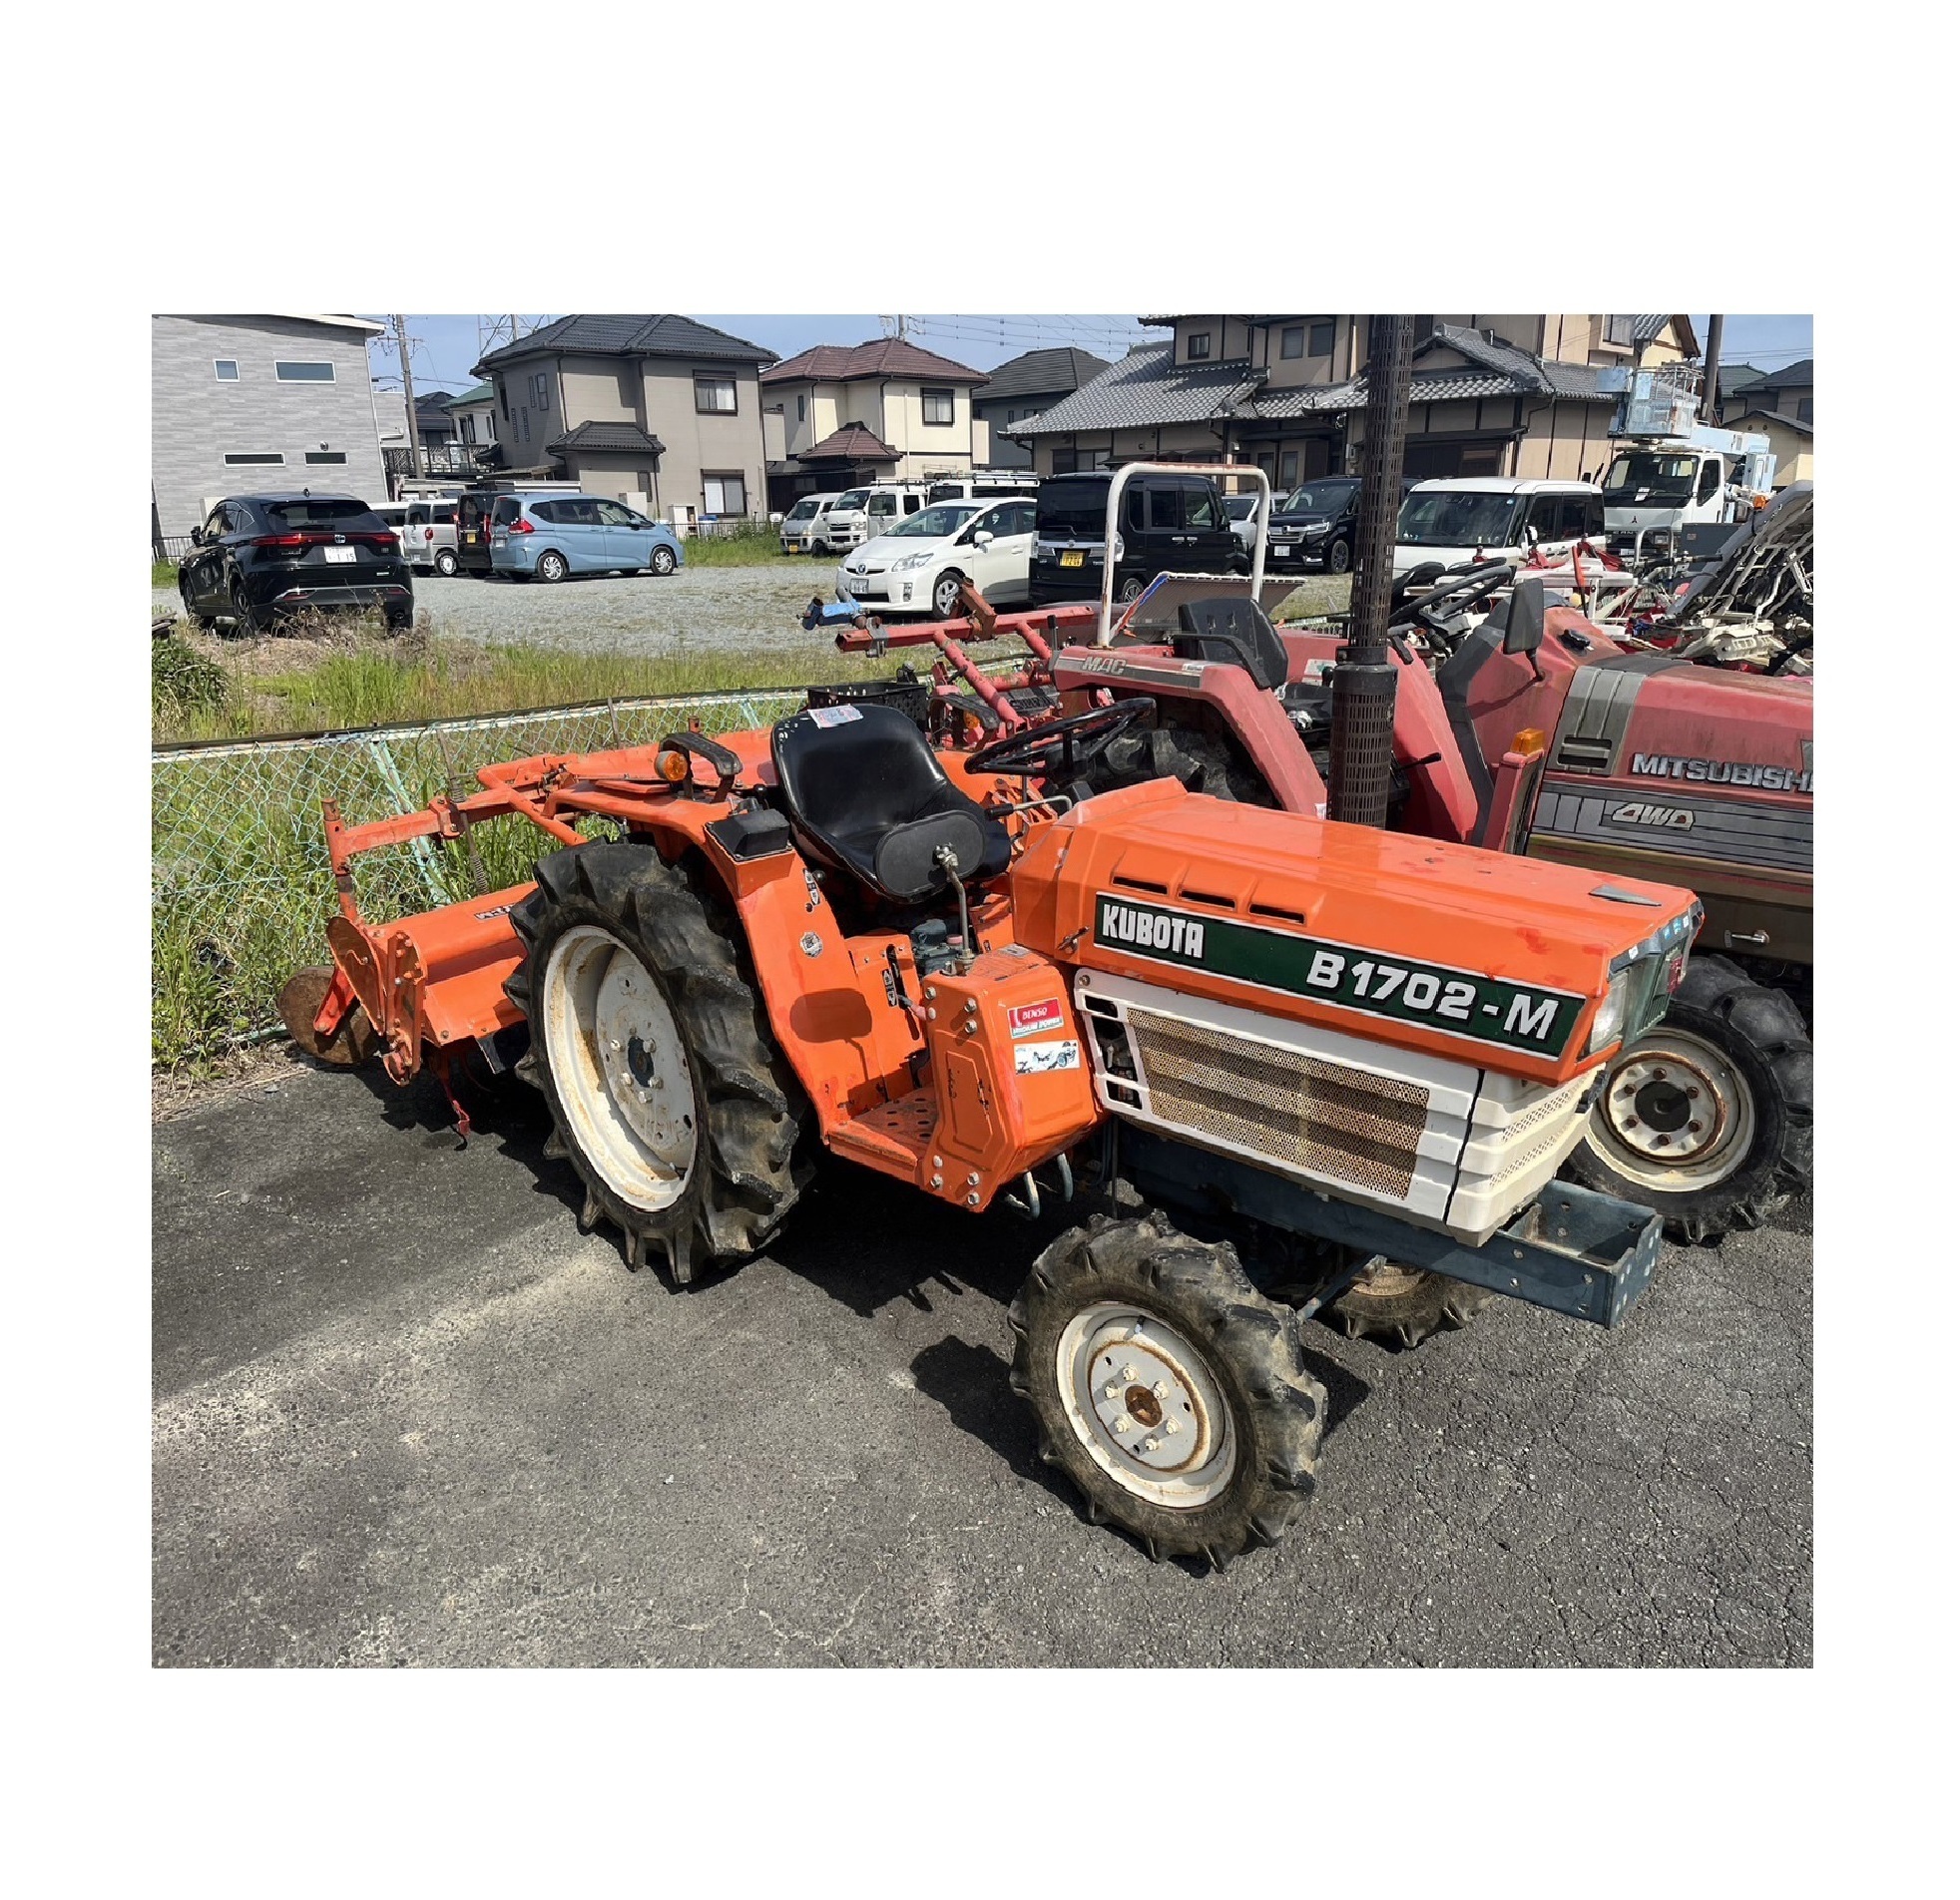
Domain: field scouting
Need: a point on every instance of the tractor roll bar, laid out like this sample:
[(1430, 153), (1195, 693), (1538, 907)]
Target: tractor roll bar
[(1178, 468)]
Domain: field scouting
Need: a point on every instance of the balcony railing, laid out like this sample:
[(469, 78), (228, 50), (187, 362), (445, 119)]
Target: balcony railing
[(438, 458)]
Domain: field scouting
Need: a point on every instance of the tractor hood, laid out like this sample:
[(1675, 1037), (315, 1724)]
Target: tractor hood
[(1499, 961)]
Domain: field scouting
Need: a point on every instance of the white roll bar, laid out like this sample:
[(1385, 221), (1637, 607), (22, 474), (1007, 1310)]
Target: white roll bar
[(1178, 468)]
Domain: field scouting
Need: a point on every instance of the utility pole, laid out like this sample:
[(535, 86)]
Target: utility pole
[(1712, 382), (408, 395), (1362, 682)]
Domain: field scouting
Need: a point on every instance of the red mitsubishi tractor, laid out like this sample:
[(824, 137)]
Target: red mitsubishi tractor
[(1533, 734)]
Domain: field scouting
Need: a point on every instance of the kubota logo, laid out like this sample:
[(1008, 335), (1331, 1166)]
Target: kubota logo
[(1672, 818)]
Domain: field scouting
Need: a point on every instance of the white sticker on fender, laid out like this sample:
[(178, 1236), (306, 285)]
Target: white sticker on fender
[(1039, 1058)]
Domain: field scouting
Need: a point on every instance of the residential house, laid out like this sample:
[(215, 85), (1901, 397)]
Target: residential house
[(1491, 395), (1785, 393), (1022, 389), (440, 452), (884, 411), (1791, 437), (660, 413), (1737, 379), (474, 413), (250, 405)]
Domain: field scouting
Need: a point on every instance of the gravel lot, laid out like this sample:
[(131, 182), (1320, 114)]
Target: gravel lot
[(746, 608), (404, 1413)]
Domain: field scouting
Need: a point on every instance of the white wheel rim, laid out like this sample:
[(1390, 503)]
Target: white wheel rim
[(1674, 1115), (1146, 1406), (946, 596), (620, 1068)]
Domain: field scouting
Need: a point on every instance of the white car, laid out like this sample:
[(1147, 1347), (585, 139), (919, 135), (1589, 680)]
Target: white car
[(917, 568), (1454, 523), (801, 522)]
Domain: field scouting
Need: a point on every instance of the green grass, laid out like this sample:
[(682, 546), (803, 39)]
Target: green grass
[(755, 549), (359, 679), (163, 574)]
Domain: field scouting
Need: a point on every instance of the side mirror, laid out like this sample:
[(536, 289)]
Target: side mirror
[(196, 537), (1531, 536), (984, 538), (1524, 626)]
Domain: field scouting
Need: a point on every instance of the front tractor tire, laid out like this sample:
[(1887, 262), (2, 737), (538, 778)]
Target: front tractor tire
[(1707, 1118), (651, 1050), (1407, 1304), (1173, 1394)]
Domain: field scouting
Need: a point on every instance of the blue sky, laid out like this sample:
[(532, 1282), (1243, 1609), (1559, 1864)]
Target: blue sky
[(446, 346)]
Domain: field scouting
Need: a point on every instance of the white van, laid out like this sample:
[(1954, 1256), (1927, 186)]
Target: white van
[(1456, 521), (985, 484), (859, 514), (428, 527), (795, 529)]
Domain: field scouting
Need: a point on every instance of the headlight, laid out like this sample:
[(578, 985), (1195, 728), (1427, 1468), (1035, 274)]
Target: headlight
[(905, 563), (1613, 1013)]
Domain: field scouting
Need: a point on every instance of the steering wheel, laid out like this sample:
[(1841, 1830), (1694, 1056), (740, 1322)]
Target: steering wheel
[(1060, 747), (1444, 603)]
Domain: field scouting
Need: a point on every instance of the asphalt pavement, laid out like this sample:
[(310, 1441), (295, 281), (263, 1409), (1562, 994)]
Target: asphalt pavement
[(404, 1413)]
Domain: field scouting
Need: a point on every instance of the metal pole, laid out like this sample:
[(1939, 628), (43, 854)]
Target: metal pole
[(408, 395), (1712, 382), (1362, 756)]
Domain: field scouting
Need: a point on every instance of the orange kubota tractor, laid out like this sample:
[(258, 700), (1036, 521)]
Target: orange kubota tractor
[(1275, 1052)]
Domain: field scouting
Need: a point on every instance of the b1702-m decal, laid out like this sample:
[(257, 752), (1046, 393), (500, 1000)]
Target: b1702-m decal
[(1453, 1002)]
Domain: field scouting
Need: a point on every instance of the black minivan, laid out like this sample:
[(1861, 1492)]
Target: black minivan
[(1175, 523)]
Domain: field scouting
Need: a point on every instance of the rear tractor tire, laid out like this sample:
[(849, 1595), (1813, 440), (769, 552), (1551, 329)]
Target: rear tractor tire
[(1407, 1304), (1708, 1119), (1173, 1394), (651, 1050)]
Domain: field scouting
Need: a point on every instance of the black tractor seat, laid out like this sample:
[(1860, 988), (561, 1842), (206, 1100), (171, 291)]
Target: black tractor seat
[(1232, 629), (867, 794)]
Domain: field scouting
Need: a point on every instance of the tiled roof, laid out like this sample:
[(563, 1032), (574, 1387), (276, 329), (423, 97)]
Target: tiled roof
[(1143, 391), (1041, 372), (1797, 377), (1735, 377), (889, 356), (629, 336), (480, 392), (609, 438), (1532, 375), (852, 443), (1768, 415)]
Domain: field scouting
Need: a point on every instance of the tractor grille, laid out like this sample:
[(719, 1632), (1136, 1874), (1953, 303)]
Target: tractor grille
[(1315, 1116), (1550, 1128)]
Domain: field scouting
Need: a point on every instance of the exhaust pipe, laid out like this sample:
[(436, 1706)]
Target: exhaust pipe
[(1362, 681)]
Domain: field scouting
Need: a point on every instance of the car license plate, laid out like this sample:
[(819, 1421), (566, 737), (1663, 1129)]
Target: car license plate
[(339, 553), (1072, 557), (1283, 547)]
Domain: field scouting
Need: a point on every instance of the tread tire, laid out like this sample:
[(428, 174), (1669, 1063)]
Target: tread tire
[(1436, 1304), (1254, 1352), (748, 1169), (1762, 1033)]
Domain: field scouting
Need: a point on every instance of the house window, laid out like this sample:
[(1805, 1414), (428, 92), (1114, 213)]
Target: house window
[(724, 494), (469, 423), (1292, 342), (1321, 342), (1199, 346), (524, 418), (938, 406), (254, 460), (303, 372), (1290, 468), (541, 389), (327, 457), (227, 370), (715, 396), (1063, 462), (1803, 408), (1620, 329), (803, 409)]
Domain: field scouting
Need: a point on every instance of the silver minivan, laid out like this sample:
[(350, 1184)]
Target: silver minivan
[(428, 527)]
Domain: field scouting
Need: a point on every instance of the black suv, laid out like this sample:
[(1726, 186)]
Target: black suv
[(259, 558), (1169, 522), (1314, 525)]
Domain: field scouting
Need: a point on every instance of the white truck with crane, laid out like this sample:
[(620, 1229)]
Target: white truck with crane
[(1669, 471)]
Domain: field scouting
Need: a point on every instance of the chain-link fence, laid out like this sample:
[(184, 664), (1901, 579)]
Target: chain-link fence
[(240, 887)]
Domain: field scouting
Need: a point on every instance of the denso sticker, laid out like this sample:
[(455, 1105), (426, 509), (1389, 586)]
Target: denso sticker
[(1030, 1019), (1041, 1058)]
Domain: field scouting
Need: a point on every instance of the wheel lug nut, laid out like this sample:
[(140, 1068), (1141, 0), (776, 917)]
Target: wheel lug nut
[(1130, 1372), (1122, 1422), (1169, 1424), (1109, 1391), (1150, 1444), (1161, 1390), (1693, 1095)]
